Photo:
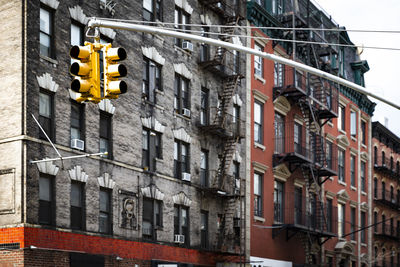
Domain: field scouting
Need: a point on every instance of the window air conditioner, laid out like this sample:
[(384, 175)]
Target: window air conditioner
[(77, 144), (180, 239), (186, 112), (186, 176), (187, 46)]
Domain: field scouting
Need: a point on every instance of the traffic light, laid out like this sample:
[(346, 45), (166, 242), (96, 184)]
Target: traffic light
[(113, 87), (87, 72)]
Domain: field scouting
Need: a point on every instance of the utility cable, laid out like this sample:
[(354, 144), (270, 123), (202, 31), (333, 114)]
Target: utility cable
[(258, 37), (254, 27)]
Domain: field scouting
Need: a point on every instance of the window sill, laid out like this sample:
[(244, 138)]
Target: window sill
[(177, 48), (48, 59), (363, 245), (353, 188), (159, 160), (330, 124), (363, 193), (353, 139), (342, 183), (258, 77), (181, 116), (341, 131), (259, 219), (260, 146), (353, 241)]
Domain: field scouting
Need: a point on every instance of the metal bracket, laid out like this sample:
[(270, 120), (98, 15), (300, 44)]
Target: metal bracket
[(95, 36)]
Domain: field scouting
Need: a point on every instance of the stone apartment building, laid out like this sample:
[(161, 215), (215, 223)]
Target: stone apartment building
[(170, 190)]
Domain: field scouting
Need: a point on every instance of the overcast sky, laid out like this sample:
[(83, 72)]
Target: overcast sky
[(384, 76)]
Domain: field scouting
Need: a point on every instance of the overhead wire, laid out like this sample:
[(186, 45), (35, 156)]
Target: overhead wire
[(257, 37)]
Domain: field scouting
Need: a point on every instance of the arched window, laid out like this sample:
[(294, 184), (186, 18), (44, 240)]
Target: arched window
[(383, 158), (383, 190), (375, 155)]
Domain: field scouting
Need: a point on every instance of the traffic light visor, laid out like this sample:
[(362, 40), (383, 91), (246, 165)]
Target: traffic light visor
[(117, 87), (79, 52), (116, 54), (117, 70)]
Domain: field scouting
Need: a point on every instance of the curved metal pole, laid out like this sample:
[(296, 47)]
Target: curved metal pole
[(95, 22)]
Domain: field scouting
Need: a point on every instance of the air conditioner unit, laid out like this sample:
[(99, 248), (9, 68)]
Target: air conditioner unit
[(77, 144), (180, 239), (186, 112), (187, 46), (186, 176)]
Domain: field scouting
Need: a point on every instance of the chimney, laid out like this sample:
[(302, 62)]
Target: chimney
[(386, 122)]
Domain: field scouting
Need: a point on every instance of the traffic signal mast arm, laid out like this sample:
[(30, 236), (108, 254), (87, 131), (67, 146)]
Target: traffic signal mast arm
[(95, 23)]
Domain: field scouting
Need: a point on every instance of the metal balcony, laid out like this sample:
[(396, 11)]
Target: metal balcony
[(213, 121), (227, 9), (387, 165), (223, 186), (387, 198), (221, 61), (387, 231), (305, 216)]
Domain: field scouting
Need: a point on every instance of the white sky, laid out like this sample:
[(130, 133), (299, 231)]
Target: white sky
[(384, 76)]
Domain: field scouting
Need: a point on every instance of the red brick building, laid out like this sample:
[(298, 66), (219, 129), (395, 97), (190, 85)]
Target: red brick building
[(310, 168), (386, 196)]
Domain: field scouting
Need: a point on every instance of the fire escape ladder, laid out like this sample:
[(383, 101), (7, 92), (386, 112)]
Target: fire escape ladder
[(307, 242), (225, 162), (309, 117), (226, 233), (226, 36)]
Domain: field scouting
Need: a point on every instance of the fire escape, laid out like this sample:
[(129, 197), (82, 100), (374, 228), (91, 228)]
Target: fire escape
[(220, 122), (303, 146)]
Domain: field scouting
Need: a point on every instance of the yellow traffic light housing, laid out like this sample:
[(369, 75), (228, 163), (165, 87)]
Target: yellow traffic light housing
[(113, 70), (87, 72)]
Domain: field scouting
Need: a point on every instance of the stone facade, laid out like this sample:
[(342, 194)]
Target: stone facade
[(28, 73)]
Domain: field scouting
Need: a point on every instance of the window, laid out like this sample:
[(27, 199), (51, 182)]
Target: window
[(353, 170), (329, 152), (363, 224), (152, 10), (383, 190), (181, 101), (46, 200), (341, 118), (105, 216), (151, 149), (46, 117), (383, 224), (397, 167), (352, 223), (392, 195), (204, 106), (236, 175), (258, 62), (375, 155), (204, 229), (182, 19), (204, 168), (383, 158), (341, 219), (391, 164), (363, 132), (353, 124), (77, 201), (298, 138), (298, 205), (46, 32), (279, 124), (236, 119), (278, 201), (341, 62), (236, 62), (181, 222), (329, 209), (76, 34), (204, 48), (375, 222), (375, 188), (277, 7), (151, 80), (329, 261), (278, 74), (77, 121), (152, 217), (258, 122), (341, 165), (105, 134), (258, 194), (362, 176), (181, 159)]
